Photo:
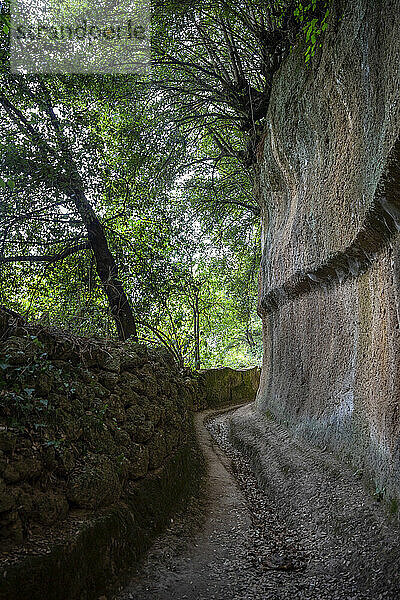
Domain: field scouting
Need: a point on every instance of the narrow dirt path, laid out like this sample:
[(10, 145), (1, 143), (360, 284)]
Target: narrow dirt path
[(209, 566), (240, 543)]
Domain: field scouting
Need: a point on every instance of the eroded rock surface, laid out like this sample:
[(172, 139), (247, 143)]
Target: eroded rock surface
[(330, 274)]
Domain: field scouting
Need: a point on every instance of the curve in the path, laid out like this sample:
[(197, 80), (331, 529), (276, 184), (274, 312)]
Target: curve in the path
[(247, 546), (209, 567)]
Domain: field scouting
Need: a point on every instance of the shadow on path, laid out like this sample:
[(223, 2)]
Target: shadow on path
[(243, 543)]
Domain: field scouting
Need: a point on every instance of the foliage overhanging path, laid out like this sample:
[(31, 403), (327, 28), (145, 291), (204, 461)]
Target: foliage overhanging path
[(129, 205)]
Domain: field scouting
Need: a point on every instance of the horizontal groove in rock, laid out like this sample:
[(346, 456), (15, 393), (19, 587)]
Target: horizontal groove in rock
[(381, 224)]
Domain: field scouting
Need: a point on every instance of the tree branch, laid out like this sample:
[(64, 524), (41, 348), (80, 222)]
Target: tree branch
[(47, 258)]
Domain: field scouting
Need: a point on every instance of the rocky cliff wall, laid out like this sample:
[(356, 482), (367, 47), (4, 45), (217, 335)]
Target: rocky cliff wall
[(96, 450), (330, 273)]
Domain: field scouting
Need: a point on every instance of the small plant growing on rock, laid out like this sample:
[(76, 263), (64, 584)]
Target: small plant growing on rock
[(380, 493)]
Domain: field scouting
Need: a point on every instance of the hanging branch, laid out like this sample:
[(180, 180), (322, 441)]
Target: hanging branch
[(47, 258)]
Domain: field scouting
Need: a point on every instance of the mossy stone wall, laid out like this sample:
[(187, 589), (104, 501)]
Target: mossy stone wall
[(226, 386), (97, 449)]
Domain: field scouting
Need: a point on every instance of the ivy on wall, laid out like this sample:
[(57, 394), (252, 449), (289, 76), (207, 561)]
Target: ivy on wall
[(314, 28)]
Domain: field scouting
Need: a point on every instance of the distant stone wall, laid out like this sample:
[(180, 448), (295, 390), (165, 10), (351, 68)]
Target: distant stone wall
[(225, 386), (330, 273), (96, 450)]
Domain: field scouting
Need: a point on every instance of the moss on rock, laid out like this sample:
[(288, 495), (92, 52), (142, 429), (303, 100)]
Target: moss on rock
[(225, 386)]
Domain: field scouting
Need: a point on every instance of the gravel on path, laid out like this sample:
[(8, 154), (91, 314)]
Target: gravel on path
[(310, 531)]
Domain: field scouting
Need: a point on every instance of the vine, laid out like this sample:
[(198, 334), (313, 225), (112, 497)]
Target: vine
[(314, 28)]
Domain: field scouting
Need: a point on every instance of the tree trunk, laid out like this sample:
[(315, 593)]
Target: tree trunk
[(196, 319), (106, 268)]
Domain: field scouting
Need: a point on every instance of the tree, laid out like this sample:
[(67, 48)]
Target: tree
[(217, 59), (30, 113), (153, 176)]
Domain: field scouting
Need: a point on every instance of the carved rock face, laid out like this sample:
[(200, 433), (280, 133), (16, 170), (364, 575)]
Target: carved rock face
[(330, 273)]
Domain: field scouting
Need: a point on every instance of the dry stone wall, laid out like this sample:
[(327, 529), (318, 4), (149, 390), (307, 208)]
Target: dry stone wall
[(330, 273), (96, 444)]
